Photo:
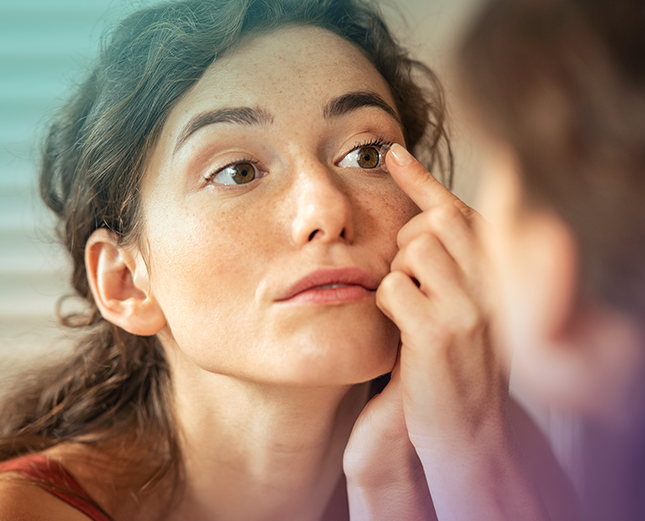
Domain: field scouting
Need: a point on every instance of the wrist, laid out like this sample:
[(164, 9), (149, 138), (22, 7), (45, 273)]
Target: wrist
[(481, 476), (401, 466)]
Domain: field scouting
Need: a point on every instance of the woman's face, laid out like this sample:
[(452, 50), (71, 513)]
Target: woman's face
[(268, 221)]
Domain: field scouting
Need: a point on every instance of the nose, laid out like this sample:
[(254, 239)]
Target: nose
[(323, 210)]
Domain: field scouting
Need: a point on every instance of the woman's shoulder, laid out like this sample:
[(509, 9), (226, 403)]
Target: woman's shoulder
[(38, 486), (23, 500), (73, 481)]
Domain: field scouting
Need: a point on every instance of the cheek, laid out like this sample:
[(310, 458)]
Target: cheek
[(500, 241), (190, 260), (204, 271), (387, 209)]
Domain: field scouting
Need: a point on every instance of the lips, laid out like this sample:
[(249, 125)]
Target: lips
[(327, 285)]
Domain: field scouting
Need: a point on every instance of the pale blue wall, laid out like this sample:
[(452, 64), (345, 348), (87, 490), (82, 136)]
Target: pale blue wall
[(44, 47)]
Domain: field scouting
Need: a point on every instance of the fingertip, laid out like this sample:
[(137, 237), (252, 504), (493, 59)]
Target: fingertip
[(414, 179), (401, 156)]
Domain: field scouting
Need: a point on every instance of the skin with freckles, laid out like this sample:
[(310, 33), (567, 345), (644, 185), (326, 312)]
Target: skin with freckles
[(222, 256)]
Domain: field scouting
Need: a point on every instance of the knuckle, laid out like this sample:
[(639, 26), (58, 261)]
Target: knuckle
[(421, 247), (442, 213), (398, 261), (468, 212), (447, 213), (471, 215), (471, 320), (389, 284), (388, 294), (440, 219), (408, 232)]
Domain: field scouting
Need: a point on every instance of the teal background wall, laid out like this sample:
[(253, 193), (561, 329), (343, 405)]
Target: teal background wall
[(44, 47)]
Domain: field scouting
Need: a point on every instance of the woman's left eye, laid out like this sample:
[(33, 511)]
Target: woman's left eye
[(368, 157)]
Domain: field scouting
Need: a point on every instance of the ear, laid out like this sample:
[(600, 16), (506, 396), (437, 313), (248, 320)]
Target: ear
[(118, 278), (550, 256)]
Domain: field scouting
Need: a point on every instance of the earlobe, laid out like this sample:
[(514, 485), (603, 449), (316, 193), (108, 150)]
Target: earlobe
[(118, 279), (551, 248)]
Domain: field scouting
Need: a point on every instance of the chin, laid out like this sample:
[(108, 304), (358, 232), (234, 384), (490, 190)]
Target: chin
[(342, 356), (338, 347)]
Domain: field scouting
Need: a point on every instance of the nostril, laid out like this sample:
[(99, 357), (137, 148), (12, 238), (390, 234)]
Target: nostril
[(312, 235)]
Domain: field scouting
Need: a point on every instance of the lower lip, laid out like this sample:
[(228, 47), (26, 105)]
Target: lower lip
[(340, 295)]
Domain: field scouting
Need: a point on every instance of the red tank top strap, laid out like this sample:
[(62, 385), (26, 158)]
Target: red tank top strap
[(52, 477)]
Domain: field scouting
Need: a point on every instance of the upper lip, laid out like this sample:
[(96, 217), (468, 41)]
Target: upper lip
[(324, 277)]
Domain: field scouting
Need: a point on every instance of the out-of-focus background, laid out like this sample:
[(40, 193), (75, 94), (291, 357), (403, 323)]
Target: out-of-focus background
[(45, 46)]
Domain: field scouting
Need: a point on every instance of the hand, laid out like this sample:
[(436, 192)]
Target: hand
[(454, 385), (439, 296), (385, 479)]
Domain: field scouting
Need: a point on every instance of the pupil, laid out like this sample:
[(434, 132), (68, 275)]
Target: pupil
[(369, 158), (243, 173)]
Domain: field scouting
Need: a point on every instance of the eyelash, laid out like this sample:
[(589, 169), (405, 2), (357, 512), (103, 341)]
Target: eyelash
[(375, 143), (379, 144)]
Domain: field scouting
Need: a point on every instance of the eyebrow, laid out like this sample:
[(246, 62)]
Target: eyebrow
[(238, 115), (355, 100), (337, 107)]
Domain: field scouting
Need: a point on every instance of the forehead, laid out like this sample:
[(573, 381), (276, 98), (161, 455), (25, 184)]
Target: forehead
[(293, 70)]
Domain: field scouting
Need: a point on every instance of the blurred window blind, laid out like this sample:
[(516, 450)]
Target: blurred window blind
[(45, 47)]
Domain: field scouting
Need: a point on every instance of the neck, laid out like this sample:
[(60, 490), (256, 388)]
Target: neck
[(262, 452)]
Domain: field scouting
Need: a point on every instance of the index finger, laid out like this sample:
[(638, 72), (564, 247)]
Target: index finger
[(419, 184)]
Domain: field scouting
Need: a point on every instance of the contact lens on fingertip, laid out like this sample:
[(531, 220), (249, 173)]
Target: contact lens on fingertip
[(382, 153)]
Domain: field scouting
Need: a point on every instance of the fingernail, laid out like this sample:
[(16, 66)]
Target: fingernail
[(401, 156)]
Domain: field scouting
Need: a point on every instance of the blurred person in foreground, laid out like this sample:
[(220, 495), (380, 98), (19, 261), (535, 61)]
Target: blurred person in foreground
[(559, 88)]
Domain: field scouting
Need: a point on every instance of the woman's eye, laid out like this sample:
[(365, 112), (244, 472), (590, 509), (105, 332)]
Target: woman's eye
[(368, 157), (237, 174)]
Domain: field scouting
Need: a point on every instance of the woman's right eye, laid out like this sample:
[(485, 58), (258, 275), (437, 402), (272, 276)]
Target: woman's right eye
[(236, 174), (370, 156)]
